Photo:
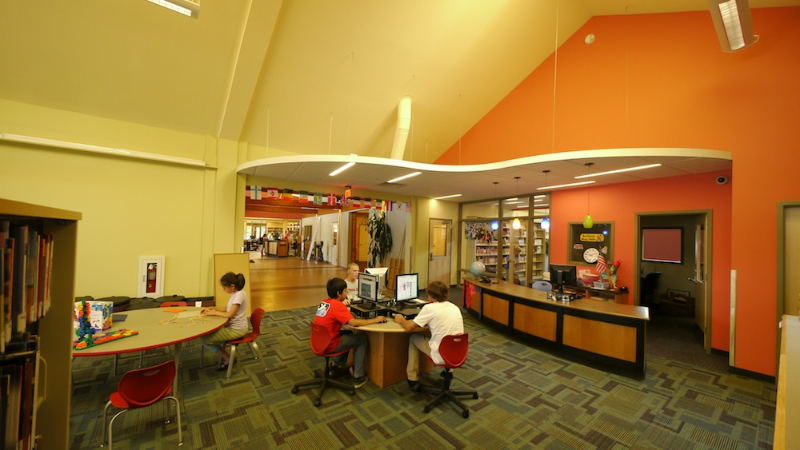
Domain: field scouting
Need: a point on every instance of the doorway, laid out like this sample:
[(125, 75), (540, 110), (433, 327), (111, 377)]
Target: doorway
[(788, 295), (683, 289), (439, 253), (359, 238)]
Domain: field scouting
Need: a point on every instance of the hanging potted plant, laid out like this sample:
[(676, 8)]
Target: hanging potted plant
[(380, 234)]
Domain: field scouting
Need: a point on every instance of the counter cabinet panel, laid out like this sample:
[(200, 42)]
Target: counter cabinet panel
[(608, 339), (536, 322), (495, 308)]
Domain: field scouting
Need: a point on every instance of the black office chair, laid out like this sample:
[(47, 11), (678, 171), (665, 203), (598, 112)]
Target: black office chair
[(647, 289)]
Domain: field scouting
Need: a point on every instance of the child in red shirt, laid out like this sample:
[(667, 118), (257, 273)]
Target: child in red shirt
[(332, 313)]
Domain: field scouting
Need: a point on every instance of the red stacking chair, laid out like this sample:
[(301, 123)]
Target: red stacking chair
[(320, 338), (250, 339), (454, 350), (139, 388)]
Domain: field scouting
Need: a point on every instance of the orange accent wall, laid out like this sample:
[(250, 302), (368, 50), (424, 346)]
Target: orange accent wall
[(661, 80), (620, 203)]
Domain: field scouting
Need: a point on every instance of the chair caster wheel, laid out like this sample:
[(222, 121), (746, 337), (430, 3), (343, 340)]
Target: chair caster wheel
[(317, 402), (465, 413), (294, 390), (353, 392), (426, 409)]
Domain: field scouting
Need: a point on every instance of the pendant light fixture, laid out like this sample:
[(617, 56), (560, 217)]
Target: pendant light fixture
[(516, 223), (545, 221), (588, 222)]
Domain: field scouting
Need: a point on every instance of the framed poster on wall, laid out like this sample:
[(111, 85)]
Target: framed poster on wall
[(586, 244)]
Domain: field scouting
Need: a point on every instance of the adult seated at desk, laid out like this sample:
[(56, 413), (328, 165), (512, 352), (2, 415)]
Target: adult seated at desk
[(442, 318), (332, 313)]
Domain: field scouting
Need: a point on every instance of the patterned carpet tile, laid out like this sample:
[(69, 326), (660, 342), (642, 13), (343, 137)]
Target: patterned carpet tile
[(529, 399)]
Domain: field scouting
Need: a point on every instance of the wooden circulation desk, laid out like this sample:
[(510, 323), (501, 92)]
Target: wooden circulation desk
[(605, 332)]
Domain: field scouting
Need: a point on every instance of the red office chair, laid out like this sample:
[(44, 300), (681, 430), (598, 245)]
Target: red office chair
[(453, 349), (320, 338), (249, 338), (139, 388)]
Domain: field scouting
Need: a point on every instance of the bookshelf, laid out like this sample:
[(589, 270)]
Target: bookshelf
[(49, 349)]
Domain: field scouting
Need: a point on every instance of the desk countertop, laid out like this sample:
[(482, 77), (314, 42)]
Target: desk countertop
[(157, 327), (389, 327)]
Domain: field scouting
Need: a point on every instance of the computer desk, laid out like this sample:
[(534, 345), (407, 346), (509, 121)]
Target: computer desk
[(388, 352)]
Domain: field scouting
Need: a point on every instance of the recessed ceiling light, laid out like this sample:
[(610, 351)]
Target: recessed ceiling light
[(580, 183), (447, 196), (188, 8), (629, 169), (404, 177), (341, 169)]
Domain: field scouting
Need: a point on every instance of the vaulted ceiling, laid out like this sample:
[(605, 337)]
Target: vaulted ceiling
[(297, 77)]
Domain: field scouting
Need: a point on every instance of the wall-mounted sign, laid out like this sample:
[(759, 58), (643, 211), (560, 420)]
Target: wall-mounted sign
[(586, 244)]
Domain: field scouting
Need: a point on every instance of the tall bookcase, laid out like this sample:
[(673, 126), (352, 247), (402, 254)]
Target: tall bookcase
[(538, 251), (51, 408)]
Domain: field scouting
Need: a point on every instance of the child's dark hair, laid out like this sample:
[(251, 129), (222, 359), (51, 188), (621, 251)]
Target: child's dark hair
[(336, 285), (438, 291), (232, 279)]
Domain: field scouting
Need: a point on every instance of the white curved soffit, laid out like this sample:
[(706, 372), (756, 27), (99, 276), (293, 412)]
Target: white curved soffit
[(477, 181), (248, 167)]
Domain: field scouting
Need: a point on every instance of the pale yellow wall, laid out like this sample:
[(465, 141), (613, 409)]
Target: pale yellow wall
[(130, 207)]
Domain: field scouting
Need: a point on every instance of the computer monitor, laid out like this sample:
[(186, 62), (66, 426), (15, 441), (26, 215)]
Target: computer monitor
[(407, 287), (561, 275), (368, 287), (380, 272)]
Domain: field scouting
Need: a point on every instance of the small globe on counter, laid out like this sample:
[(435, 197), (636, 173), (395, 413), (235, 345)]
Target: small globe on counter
[(477, 268)]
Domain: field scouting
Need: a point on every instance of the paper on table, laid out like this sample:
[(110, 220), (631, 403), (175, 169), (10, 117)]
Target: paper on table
[(185, 314)]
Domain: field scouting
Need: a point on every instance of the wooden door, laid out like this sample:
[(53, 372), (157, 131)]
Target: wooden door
[(791, 251), (359, 239), (439, 250), (702, 304)]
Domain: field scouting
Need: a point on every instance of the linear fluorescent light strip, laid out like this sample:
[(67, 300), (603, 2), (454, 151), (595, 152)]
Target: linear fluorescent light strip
[(341, 169), (447, 196), (566, 185), (629, 169), (98, 149), (404, 177), (733, 27), (173, 6)]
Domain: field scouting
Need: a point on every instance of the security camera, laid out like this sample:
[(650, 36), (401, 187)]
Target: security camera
[(722, 180)]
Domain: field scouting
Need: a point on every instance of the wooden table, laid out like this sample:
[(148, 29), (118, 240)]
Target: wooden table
[(157, 327), (388, 352)]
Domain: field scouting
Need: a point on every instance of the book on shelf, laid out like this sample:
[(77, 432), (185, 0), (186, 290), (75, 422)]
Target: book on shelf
[(32, 276), (2, 292), (7, 286), (19, 303)]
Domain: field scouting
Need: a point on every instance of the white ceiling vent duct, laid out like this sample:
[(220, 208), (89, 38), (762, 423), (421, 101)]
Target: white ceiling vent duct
[(403, 125)]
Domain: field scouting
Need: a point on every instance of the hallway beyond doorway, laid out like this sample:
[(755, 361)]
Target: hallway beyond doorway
[(277, 284)]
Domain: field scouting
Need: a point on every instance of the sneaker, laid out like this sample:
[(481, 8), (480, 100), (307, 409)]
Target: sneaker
[(360, 381), (413, 385)]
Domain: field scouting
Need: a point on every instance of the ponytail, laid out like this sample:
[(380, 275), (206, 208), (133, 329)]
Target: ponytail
[(232, 279)]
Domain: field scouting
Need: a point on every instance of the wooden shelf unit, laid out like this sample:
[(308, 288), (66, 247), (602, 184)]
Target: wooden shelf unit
[(54, 330)]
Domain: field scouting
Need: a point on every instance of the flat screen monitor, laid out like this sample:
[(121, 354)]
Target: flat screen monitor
[(380, 272), (561, 275), (407, 287), (368, 287)]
